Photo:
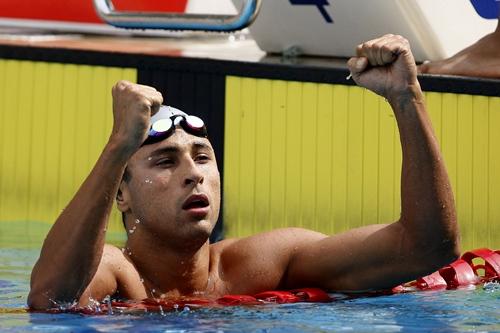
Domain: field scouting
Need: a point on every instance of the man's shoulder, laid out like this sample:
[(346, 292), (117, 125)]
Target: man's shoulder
[(277, 239), (266, 255), (114, 258)]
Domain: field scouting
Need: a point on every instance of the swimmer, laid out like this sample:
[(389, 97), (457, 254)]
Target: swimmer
[(481, 59), (169, 255)]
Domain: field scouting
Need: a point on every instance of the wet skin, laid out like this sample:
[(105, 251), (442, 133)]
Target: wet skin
[(173, 190)]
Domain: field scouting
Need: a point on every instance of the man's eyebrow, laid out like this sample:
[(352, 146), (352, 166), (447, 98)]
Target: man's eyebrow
[(201, 145), (165, 150)]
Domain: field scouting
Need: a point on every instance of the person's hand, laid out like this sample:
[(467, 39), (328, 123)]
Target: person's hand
[(133, 106), (386, 66)]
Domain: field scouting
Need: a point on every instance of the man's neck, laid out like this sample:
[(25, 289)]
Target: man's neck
[(167, 270)]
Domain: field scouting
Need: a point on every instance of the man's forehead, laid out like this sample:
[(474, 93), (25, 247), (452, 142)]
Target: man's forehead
[(178, 141)]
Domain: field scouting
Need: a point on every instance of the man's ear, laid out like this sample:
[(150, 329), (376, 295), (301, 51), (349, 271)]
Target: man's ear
[(123, 197)]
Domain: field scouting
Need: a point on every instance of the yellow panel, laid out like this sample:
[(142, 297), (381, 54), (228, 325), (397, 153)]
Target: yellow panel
[(232, 156), (3, 125), (493, 226), (371, 116), (355, 136), (386, 167), (53, 141), (263, 154), (464, 168), (247, 162), (54, 126), (10, 110), (480, 175), (37, 145), (309, 159), (293, 150), (277, 159), (324, 148), (449, 130), (23, 138), (339, 157), (334, 158)]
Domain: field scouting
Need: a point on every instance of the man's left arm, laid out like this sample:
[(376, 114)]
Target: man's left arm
[(426, 236)]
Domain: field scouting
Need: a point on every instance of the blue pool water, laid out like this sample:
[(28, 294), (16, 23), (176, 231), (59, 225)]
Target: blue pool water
[(471, 310)]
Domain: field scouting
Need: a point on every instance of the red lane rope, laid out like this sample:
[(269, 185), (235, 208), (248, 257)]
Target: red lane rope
[(464, 271), (474, 267)]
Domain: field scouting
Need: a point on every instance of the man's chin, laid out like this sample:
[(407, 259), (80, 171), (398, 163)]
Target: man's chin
[(199, 229)]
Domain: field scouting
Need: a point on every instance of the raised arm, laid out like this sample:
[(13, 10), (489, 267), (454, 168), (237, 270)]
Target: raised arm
[(425, 237), (72, 250)]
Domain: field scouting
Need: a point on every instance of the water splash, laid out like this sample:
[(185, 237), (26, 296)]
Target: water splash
[(107, 300)]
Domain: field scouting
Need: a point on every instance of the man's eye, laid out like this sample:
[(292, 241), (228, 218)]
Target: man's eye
[(202, 158), (164, 162)]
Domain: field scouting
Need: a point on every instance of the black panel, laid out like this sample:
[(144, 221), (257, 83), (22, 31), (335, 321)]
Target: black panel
[(200, 94)]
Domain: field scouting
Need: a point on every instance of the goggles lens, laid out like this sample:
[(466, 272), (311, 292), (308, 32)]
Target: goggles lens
[(166, 121)]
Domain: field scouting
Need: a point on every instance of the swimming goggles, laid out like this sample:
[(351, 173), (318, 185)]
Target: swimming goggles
[(163, 124)]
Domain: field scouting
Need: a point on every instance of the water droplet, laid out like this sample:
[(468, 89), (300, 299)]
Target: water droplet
[(150, 158), (129, 253), (137, 221), (131, 231), (148, 181), (186, 309)]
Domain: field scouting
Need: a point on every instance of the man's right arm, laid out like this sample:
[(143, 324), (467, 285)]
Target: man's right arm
[(72, 250)]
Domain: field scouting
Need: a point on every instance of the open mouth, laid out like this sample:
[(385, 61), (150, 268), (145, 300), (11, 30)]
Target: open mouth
[(196, 201)]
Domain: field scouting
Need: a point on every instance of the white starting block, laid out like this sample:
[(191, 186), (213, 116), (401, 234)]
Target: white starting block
[(436, 29)]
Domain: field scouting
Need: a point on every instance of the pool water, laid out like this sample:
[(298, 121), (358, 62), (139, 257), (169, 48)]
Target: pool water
[(467, 310)]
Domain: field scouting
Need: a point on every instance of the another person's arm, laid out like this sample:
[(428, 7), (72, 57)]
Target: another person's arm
[(73, 248), (426, 236)]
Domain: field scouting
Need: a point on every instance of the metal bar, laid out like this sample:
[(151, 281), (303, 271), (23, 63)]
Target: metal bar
[(178, 21)]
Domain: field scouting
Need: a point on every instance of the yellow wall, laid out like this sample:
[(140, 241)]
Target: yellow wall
[(327, 157), (54, 121), (321, 156)]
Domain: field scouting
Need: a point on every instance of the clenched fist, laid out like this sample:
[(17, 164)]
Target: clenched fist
[(133, 106), (386, 66)]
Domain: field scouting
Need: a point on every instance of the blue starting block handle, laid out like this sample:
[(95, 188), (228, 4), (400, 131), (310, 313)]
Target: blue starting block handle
[(488, 9), (178, 21)]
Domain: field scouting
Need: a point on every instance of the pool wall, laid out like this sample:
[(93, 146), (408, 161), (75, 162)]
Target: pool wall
[(297, 145)]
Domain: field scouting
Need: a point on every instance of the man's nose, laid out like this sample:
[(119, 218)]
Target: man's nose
[(193, 174)]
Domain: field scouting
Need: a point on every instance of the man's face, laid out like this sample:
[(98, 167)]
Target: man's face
[(174, 188)]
